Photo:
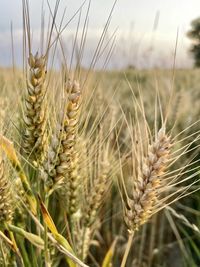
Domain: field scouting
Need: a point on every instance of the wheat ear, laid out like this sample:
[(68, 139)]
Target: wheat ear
[(62, 161), (145, 195), (34, 111), (140, 207), (70, 153), (6, 210), (94, 198), (93, 201)]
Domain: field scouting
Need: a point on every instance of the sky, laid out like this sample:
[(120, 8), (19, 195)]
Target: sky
[(145, 30)]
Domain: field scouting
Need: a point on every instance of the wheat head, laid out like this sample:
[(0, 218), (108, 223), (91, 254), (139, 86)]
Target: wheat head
[(34, 136), (145, 195), (6, 210)]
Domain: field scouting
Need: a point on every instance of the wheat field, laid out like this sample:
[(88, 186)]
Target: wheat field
[(97, 167)]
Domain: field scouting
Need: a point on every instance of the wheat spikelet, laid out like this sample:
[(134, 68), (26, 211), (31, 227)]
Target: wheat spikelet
[(145, 195), (82, 240), (48, 173), (6, 211), (94, 198), (34, 111), (68, 155), (62, 160)]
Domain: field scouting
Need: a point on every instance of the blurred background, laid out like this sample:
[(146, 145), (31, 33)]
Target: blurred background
[(145, 30)]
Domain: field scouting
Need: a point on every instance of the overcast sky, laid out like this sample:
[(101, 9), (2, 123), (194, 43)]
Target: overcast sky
[(138, 41)]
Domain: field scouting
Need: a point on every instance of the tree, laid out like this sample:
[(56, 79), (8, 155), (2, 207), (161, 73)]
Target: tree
[(194, 35)]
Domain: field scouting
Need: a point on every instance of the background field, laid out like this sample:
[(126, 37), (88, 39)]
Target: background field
[(167, 239)]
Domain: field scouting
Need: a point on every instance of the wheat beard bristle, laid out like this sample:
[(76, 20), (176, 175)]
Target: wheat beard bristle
[(34, 115), (145, 195)]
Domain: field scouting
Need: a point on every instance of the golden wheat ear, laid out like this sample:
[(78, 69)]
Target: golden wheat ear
[(140, 206), (61, 164), (34, 135), (140, 198), (34, 130)]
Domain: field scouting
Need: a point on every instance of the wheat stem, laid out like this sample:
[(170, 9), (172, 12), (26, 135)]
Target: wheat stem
[(128, 247)]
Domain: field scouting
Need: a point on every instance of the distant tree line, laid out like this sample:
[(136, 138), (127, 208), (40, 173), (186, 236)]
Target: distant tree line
[(194, 35)]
